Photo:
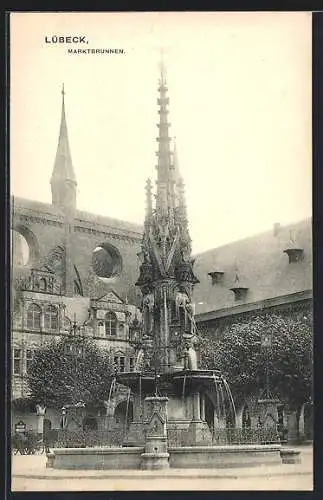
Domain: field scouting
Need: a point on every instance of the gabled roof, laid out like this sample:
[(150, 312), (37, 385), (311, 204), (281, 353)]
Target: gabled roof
[(110, 296), (260, 264)]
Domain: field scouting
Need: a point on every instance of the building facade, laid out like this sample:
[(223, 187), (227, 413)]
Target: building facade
[(265, 276), (69, 267)]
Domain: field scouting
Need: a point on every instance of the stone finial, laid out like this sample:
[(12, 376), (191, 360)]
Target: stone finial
[(40, 409)]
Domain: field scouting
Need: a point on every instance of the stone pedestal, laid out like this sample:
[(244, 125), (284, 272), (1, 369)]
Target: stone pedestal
[(155, 455), (40, 411), (199, 434), (292, 435)]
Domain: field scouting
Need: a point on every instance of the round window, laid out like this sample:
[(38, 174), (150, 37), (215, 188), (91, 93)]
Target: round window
[(106, 261)]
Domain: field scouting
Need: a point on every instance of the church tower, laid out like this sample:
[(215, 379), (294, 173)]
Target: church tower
[(166, 274), (63, 180), (63, 184)]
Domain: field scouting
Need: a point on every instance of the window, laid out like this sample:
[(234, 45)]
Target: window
[(51, 318), (33, 317), (131, 364), (17, 361), (121, 364), (101, 329), (42, 285), (29, 358), (110, 324)]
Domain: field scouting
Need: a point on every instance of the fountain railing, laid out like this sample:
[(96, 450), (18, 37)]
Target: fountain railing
[(226, 436), (79, 438), (65, 438)]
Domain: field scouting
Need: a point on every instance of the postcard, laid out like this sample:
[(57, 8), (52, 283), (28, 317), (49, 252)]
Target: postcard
[(161, 264)]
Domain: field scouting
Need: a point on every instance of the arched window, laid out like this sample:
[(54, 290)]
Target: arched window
[(51, 318), (42, 285), (110, 324), (33, 317)]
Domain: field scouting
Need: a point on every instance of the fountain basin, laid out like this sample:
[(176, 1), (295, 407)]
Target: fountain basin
[(189, 379), (96, 458), (197, 457), (221, 457)]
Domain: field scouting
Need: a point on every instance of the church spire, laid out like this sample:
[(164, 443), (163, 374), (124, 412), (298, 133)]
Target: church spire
[(177, 174), (165, 200), (63, 180)]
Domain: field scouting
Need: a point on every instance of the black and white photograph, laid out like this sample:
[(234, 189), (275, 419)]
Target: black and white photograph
[(161, 251)]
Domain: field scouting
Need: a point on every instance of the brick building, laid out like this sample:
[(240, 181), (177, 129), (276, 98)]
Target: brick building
[(70, 266)]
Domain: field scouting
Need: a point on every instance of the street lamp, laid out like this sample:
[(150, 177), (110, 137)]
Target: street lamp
[(75, 350), (266, 345), (64, 417)]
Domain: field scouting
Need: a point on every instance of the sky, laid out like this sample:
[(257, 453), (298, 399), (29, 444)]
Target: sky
[(240, 109)]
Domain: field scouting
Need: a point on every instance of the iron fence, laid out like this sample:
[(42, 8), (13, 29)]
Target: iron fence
[(65, 438), (83, 439), (177, 437), (27, 443), (231, 435), (236, 435)]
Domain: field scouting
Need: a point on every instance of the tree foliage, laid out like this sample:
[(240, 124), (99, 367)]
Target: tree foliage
[(68, 371), (238, 353)]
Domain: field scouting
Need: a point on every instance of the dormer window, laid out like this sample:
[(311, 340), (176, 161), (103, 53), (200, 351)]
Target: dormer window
[(240, 292), (294, 254), (239, 288), (216, 277)]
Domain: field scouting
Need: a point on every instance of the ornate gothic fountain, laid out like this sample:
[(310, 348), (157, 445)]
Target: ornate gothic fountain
[(168, 350)]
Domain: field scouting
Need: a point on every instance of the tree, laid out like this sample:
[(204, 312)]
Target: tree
[(68, 371), (241, 358)]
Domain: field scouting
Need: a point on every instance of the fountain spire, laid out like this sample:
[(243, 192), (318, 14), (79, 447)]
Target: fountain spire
[(166, 273), (165, 199)]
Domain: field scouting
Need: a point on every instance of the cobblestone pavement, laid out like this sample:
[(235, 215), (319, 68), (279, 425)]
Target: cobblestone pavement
[(30, 474)]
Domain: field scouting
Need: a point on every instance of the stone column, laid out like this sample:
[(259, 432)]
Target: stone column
[(301, 424), (292, 436), (42, 319), (203, 407), (196, 406), (40, 411), (239, 418)]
